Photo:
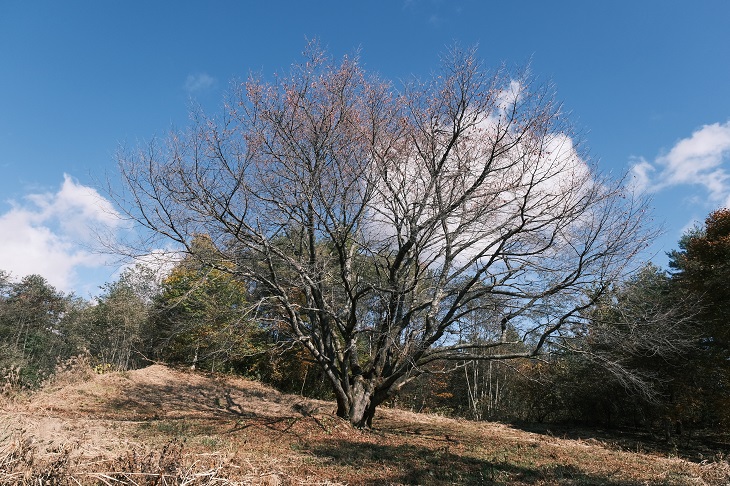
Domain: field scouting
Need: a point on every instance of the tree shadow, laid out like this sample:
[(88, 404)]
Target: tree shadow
[(408, 464), (694, 446), (233, 409)]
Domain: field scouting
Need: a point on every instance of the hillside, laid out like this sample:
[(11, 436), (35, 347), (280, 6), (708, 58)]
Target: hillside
[(163, 426)]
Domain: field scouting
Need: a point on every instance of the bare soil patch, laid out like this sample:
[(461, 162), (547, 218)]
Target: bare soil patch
[(164, 426)]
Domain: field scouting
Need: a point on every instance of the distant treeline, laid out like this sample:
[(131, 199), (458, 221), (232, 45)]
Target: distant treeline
[(655, 352)]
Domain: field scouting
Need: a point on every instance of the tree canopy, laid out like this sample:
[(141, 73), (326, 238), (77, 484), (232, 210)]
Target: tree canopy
[(33, 328), (701, 273), (201, 315), (377, 222)]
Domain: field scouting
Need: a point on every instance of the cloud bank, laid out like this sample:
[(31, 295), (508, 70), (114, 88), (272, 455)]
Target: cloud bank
[(52, 234), (702, 160), (198, 82)]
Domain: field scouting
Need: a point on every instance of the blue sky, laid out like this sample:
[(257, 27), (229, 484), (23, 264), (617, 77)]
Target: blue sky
[(647, 84)]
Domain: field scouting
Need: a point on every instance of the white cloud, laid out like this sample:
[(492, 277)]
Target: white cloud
[(435, 20), (700, 159), (159, 261), (641, 174), (195, 83), (51, 234), (509, 96), (539, 179)]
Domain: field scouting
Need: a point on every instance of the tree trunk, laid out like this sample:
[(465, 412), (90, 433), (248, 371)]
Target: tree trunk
[(362, 411), (343, 407), (359, 404)]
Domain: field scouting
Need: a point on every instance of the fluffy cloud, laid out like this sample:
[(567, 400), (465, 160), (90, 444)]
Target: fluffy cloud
[(700, 159), (52, 234), (195, 83), (535, 179)]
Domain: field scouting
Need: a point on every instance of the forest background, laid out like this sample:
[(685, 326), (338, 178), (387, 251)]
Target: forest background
[(654, 358)]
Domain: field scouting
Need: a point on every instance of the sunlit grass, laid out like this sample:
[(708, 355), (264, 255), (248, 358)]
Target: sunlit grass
[(176, 427)]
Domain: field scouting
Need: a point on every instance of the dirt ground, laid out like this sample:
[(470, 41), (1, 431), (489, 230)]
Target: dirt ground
[(147, 425)]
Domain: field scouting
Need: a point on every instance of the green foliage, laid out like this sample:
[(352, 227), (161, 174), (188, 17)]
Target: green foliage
[(113, 327), (702, 272), (615, 368), (654, 351), (702, 268), (291, 369), (625, 367), (201, 315), (36, 328)]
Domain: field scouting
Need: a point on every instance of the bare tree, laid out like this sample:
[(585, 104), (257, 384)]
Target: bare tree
[(374, 222)]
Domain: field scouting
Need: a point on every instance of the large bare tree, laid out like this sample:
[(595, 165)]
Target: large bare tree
[(380, 224)]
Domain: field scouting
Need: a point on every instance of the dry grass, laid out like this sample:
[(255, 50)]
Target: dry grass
[(163, 426)]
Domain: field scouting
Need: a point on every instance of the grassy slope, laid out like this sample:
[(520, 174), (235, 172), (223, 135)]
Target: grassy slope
[(201, 427)]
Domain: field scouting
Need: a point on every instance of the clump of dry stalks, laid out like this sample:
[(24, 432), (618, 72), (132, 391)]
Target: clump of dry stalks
[(23, 462)]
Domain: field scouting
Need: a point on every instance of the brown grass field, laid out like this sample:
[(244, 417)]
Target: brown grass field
[(160, 426)]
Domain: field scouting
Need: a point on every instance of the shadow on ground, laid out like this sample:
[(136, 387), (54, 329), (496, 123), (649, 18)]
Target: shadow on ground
[(205, 408), (692, 445), (407, 464)]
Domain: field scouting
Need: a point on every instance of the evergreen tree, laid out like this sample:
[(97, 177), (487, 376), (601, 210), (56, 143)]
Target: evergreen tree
[(702, 273)]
